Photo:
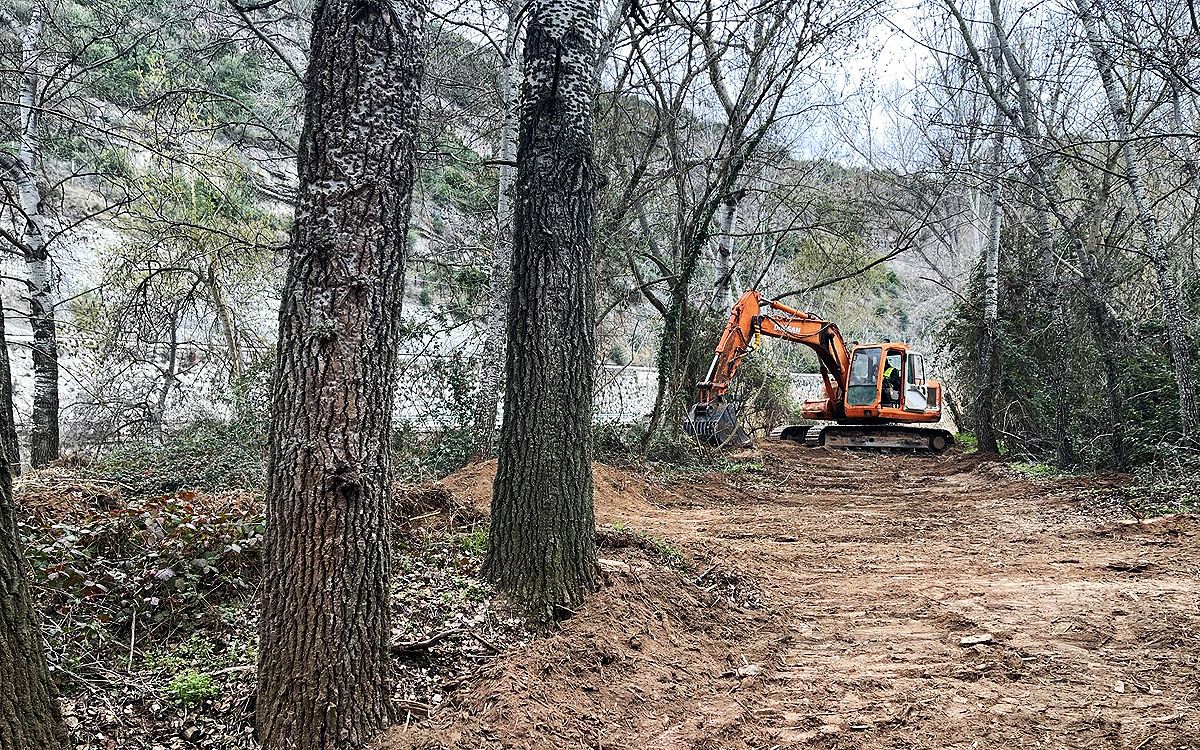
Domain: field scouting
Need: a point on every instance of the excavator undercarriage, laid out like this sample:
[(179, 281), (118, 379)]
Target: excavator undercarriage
[(897, 437)]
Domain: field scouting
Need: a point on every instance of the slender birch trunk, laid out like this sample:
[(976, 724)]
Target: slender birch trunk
[(228, 327), (988, 350), (491, 361), (1168, 287), (38, 266)]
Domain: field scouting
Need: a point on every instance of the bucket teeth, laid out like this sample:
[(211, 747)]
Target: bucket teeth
[(716, 424)]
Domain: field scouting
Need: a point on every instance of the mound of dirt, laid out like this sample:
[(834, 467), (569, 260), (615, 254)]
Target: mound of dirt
[(620, 494), (636, 659)]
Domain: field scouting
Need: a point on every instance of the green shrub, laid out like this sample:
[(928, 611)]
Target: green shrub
[(739, 467), (670, 555), (1035, 469), (765, 388), (191, 688), (206, 456), (474, 542), (967, 442)]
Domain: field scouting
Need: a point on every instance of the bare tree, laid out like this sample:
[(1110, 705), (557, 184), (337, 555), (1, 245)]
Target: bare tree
[(748, 65), (1156, 249)]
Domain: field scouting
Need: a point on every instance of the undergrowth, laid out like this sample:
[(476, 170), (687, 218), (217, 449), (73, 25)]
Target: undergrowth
[(1035, 469), (618, 535), (153, 599), (1170, 484), (207, 456)]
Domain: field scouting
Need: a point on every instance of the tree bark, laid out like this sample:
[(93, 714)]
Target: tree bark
[(724, 293), (228, 327), (541, 545), (323, 665), (988, 351), (491, 361), (29, 716), (1168, 287), (44, 446), (10, 447)]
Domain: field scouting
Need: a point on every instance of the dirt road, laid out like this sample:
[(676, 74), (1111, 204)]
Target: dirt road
[(856, 600)]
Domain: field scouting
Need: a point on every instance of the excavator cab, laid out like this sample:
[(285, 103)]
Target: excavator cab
[(887, 383)]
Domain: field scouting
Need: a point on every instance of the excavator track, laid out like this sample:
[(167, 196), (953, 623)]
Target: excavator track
[(882, 436)]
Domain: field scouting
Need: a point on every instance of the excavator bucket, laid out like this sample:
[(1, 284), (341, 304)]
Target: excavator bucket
[(716, 423)]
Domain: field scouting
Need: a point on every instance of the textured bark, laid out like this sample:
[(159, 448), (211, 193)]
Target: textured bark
[(43, 447), (323, 664), (10, 448), (989, 365), (29, 717), (1168, 286), (491, 363), (724, 293), (541, 545)]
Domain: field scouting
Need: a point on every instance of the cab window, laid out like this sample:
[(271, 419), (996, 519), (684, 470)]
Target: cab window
[(916, 369), (864, 377), (892, 379)]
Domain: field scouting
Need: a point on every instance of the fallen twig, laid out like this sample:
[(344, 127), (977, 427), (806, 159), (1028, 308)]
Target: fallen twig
[(425, 645), (484, 642)]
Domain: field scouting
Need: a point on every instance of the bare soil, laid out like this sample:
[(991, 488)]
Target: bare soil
[(856, 600)]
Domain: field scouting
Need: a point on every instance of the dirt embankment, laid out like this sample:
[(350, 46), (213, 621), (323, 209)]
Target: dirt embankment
[(897, 601), (620, 494)]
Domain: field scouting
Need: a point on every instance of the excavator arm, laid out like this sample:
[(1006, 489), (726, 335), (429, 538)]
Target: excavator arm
[(752, 317)]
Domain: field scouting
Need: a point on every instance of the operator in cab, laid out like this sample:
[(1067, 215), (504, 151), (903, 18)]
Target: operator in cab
[(891, 380)]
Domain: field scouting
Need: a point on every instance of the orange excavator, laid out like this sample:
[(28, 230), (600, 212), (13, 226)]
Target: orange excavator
[(875, 394)]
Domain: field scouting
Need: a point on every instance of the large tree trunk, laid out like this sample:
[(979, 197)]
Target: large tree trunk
[(491, 361), (43, 446), (541, 545), (1168, 287), (323, 666), (29, 717)]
